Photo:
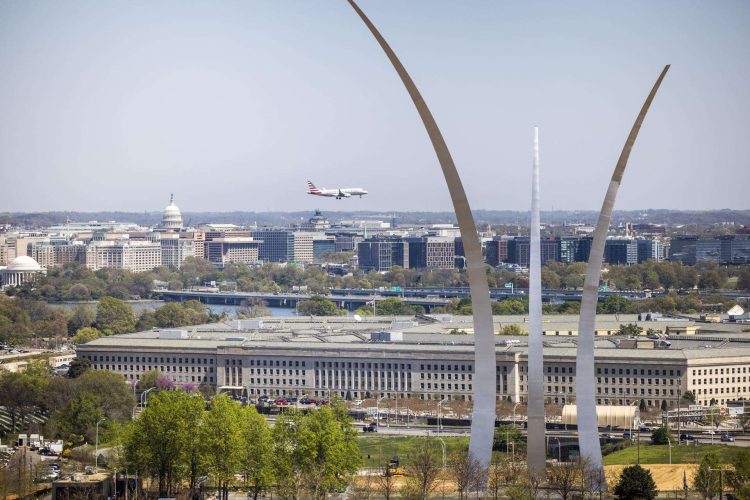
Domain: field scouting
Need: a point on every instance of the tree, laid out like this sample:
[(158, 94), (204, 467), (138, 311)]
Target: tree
[(85, 335), (319, 306), (642, 406), (423, 469), (504, 435), (512, 330), (630, 330), (664, 405), (155, 446), (563, 478), (78, 367), (743, 281), (291, 454), (706, 481), (113, 316), (466, 471), (689, 397), (333, 453), (614, 304), (661, 436), (710, 279), (385, 484), (635, 483), (82, 316), (222, 439), (171, 315), (739, 480), (257, 447)]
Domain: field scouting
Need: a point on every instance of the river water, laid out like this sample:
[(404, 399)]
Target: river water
[(151, 305)]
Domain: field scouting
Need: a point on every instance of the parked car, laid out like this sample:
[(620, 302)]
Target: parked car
[(727, 438), (686, 437), (373, 427), (628, 435)]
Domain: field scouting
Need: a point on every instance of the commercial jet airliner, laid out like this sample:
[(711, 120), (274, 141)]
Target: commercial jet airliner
[(337, 193)]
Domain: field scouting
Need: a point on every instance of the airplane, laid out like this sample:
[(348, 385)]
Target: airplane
[(337, 193)]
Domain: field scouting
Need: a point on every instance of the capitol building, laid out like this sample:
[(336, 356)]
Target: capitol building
[(172, 218), (22, 269)]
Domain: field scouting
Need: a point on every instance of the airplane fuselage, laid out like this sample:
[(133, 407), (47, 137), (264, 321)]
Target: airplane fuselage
[(337, 193)]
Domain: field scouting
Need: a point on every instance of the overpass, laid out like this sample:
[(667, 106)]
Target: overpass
[(351, 299)]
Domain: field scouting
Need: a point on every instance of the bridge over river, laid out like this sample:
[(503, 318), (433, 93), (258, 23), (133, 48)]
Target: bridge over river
[(350, 299)]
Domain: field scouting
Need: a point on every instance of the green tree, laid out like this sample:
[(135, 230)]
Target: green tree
[(78, 367), (739, 480), (82, 316), (512, 330), (706, 481), (171, 315), (22, 394), (113, 316), (710, 279), (661, 436), (614, 304), (222, 441), (334, 457), (630, 330), (509, 307), (155, 445), (257, 448), (86, 334), (635, 483), (292, 454), (743, 280), (319, 306)]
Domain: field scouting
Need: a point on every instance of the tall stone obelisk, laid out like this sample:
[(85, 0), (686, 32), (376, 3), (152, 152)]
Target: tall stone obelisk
[(536, 448), (588, 432)]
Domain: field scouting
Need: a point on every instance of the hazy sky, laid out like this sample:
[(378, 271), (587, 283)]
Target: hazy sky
[(232, 105)]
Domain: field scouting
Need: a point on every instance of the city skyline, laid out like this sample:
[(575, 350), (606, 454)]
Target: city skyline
[(209, 96)]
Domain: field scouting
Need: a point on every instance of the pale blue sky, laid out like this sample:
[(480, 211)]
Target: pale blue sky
[(232, 105)]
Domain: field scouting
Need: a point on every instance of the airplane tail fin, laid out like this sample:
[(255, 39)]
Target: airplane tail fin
[(311, 188)]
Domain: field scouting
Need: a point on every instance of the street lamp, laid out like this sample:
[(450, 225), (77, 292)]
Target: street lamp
[(442, 442), (669, 442), (439, 405), (377, 412), (721, 478), (96, 449), (144, 396), (514, 414)]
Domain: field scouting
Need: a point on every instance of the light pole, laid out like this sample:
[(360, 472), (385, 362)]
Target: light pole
[(135, 400), (721, 478), (514, 414), (442, 443), (96, 448), (144, 396), (439, 405), (377, 412), (669, 442)]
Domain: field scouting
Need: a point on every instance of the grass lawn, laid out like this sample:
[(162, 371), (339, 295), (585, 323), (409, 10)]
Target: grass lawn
[(653, 454), (382, 448)]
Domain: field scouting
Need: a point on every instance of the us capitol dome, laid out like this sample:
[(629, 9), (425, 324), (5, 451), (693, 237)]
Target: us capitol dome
[(172, 218)]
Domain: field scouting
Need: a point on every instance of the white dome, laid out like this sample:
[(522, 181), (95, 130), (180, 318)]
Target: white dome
[(24, 263), (172, 218)]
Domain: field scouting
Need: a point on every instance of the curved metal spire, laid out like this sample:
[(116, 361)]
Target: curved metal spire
[(536, 450), (483, 415), (588, 435)]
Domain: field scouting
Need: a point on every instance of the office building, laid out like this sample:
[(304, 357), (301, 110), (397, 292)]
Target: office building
[(221, 251), (381, 253), (431, 252), (175, 249), (426, 362), (55, 253), (650, 250), (621, 251), (278, 245), (303, 247), (136, 256)]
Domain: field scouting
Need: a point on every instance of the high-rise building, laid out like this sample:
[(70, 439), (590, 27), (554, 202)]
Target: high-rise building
[(432, 252), (277, 246), (707, 249), (650, 249), (623, 251), (550, 250), (323, 243), (136, 256), (381, 253), (221, 251), (683, 249), (55, 253), (303, 247), (175, 249)]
